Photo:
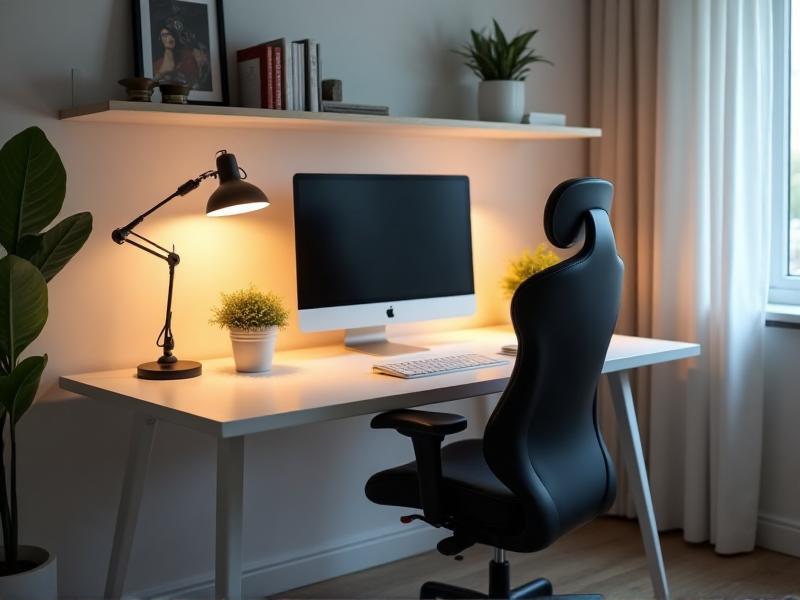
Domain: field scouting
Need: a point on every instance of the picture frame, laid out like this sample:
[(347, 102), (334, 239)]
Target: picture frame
[(183, 41)]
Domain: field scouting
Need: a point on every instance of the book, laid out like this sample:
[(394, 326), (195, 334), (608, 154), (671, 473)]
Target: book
[(277, 74), (377, 113), (333, 106), (536, 118), (509, 350), (270, 56), (319, 78), (285, 76), (282, 69), (300, 75), (254, 76), (295, 83), (265, 76), (311, 81)]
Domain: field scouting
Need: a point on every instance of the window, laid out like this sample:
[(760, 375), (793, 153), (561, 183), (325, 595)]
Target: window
[(794, 145), (785, 284)]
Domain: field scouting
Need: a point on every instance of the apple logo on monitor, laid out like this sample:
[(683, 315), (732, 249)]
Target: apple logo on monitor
[(390, 312)]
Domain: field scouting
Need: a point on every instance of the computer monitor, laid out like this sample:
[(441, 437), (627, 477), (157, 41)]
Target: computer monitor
[(379, 249)]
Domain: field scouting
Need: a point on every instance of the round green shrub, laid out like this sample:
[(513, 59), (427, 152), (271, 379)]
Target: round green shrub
[(526, 265), (250, 310)]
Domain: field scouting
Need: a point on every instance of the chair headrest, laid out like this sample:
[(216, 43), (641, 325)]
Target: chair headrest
[(567, 206)]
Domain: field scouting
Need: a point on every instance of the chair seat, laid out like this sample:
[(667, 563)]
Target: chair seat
[(472, 492)]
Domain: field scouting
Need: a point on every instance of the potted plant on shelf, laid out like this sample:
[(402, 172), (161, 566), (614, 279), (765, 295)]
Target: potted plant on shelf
[(32, 189), (520, 269), (253, 320), (502, 66)]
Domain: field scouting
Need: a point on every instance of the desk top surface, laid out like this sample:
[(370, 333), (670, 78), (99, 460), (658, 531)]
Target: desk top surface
[(320, 384)]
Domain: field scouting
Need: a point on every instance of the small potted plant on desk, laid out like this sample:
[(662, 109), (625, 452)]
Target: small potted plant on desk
[(253, 320), (525, 266), (32, 189), (502, 66)]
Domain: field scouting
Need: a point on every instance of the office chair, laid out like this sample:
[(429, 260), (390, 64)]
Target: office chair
[(542, 468)]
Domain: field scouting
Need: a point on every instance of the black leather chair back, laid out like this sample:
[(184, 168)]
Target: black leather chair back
[(542, 440)]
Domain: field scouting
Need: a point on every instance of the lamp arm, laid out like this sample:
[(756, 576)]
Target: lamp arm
[(167, 255), (119, 235), (165, 340)]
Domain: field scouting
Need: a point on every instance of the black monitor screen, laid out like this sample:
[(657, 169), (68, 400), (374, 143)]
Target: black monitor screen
[(377, 238)]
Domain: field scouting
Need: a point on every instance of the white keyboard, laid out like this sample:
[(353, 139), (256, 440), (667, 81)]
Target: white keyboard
[(437, 365)]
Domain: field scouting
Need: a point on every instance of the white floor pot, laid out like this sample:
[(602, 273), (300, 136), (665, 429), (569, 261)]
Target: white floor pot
[(253, 350), (39, 583), (501, 100)]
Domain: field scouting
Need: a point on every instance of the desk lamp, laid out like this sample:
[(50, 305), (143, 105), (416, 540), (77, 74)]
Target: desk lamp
[(233, 196)]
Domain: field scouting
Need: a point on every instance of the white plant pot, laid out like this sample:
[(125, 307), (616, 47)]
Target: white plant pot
[(40, 583), (253, 350), (501, 100)]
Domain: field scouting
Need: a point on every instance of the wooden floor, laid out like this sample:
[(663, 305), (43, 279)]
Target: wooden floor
[(604, 557)]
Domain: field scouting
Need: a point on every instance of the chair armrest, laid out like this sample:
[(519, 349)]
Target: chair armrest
[(420, 423), (427, 431)]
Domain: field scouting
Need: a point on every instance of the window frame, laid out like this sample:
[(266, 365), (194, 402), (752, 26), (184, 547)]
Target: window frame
[(784, 288)]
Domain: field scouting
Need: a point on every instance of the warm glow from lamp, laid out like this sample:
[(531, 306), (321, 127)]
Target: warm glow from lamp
[(237, 209)]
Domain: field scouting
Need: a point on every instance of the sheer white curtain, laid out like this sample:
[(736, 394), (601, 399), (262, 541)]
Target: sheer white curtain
[(713, 196), (694, 235)]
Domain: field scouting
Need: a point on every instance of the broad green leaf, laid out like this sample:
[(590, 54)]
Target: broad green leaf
[(52, 250), (18, 390), (32, 186), (28, 244), (23, 307)]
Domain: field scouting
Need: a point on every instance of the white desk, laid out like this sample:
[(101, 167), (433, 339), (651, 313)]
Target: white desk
[(320, 384)]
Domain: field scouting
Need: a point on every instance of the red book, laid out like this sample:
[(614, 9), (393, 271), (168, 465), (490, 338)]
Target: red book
[(277, 77), (267, 75), (253, 76)]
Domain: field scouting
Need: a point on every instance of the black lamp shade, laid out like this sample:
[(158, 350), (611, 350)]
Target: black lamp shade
[(233, 196)]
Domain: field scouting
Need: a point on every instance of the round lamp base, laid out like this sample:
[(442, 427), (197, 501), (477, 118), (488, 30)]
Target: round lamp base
[(182, 369)]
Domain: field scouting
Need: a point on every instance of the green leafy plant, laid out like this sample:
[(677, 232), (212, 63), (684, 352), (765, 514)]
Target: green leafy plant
[(527, 264), (250, 310), (32, 189), (493, 57)]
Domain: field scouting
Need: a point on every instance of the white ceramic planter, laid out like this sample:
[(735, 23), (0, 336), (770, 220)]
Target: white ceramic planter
[(253, 350), (40, 583), (501, 100)]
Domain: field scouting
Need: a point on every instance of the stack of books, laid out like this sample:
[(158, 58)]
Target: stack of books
[(334, 106), (281, 75), (509, 350), (538, 118)]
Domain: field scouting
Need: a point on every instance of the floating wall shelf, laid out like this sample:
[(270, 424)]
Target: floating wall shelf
[(145, 113)]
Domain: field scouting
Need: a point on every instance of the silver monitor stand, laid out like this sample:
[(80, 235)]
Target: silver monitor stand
[(372, 340)]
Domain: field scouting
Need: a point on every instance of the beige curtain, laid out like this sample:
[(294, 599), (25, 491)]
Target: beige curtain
[(622, 89)]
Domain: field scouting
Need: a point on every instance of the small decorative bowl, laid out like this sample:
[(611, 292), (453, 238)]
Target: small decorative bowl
[(173, 92), (140, 89)]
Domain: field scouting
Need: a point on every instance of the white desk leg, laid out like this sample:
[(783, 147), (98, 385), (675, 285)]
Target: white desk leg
[(230, 485), (144, 428), (634, 462)]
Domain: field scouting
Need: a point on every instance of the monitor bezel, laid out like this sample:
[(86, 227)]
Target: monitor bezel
[(373, 314)]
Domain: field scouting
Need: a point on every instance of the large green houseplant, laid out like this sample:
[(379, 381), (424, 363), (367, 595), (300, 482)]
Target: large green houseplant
[(32, 189)]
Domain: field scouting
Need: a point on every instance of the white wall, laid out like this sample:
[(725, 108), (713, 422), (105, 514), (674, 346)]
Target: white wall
[(779, 518), (304, 486)]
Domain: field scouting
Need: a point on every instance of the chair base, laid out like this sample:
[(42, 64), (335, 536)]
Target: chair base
[(499, 587), (537, 588)]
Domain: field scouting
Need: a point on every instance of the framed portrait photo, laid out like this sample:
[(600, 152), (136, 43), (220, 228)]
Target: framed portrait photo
[(183, 41)]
